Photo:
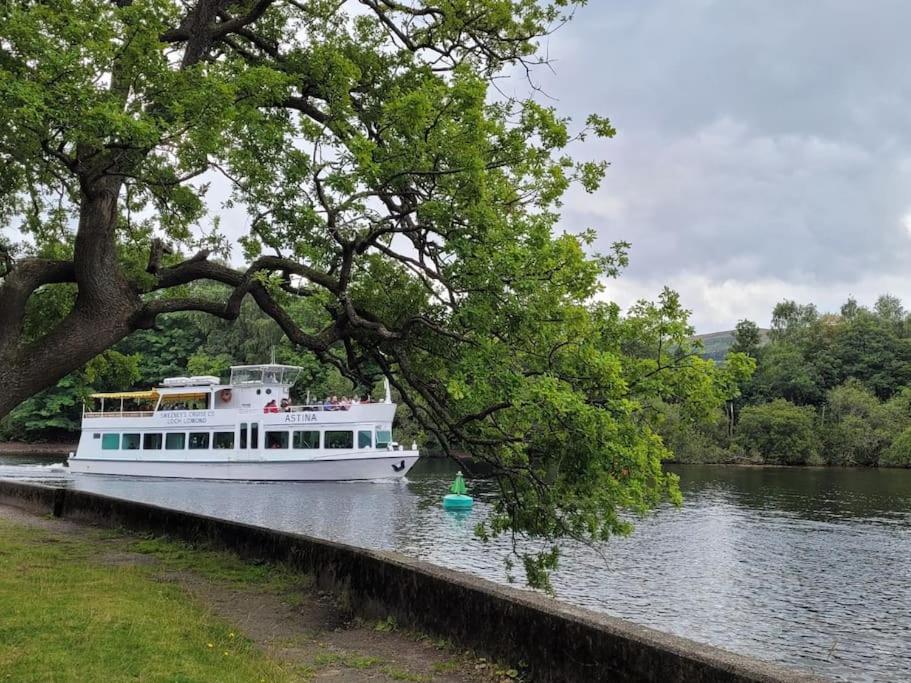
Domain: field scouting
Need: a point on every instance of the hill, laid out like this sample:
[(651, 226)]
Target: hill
[(716, 344)]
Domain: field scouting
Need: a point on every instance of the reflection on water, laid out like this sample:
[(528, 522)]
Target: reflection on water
[(806, 567)]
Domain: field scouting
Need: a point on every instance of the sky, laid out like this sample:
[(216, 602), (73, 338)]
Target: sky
[(763, 148)]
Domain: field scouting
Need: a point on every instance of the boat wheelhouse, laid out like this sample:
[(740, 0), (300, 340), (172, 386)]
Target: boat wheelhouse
[(247, 429)]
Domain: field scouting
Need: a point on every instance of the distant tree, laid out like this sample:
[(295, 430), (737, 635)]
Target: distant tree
[(784, 373), (700, 431), (779, 432), (857, 427), (166, 350), (890, 309), (868, 348), (850, 308), (816, 346), (747, 338), (790, 319)]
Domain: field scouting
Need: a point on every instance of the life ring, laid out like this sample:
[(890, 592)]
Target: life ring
[(225, 395)]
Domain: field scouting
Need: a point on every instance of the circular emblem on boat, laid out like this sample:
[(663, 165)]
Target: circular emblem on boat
[(225, 395)]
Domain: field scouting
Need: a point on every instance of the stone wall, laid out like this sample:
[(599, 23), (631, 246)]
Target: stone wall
[(557, 642)]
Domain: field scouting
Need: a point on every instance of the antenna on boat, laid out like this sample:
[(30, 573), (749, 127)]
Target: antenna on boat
[(388, 391), (273, 355)]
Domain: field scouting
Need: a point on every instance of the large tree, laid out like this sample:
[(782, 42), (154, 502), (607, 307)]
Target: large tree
[(408, 206)]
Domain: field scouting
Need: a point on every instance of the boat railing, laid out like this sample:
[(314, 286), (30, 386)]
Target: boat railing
[(312, 408), (120, 413), (319, 407)]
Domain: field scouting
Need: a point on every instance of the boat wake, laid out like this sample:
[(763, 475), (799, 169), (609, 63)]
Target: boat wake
[(56, 470)]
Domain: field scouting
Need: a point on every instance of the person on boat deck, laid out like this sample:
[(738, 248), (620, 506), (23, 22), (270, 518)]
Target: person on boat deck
[(270, 407), (286, 405)]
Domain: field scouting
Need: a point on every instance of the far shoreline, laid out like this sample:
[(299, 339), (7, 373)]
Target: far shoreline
[(25, 448), (780, 466)]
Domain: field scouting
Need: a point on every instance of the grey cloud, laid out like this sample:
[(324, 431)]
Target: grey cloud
[(758, 141)]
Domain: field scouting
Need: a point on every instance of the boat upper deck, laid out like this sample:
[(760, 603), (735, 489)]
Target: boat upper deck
[(171, 412), (252, 390)]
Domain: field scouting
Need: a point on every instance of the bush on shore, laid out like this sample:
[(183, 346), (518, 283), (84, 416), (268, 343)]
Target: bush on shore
[(899, 453), (779, 432)]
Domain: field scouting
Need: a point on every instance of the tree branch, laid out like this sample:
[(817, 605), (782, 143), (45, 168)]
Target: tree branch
[(18, 284)]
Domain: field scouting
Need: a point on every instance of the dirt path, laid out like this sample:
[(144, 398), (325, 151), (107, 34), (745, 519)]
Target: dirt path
[(303, 627)]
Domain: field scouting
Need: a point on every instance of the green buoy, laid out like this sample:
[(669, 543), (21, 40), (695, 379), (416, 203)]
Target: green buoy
[(457, 500)]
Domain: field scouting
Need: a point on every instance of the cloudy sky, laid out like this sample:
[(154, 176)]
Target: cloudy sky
[(764, 148)]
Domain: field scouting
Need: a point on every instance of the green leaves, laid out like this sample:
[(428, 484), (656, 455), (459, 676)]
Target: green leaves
[(601, 126)]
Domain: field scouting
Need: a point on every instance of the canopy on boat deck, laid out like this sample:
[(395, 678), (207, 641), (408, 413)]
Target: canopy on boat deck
[(187, 396), (150, 395)]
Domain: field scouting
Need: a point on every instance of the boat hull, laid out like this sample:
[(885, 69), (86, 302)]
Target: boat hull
[(395, 465)]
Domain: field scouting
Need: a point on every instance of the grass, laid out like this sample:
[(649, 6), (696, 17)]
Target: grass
[(86, 606), (67, 617), (218, 565)]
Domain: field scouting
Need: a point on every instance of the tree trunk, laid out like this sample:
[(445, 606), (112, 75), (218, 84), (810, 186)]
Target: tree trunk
[(103, 314), (26, 371)]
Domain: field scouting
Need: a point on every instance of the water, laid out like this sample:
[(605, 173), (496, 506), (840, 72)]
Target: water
[(810, 568)]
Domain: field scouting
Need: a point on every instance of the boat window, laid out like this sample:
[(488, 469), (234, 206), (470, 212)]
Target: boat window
[(364, 439), (383, 438), (151, 442), (199, 441), (339, 440), (223, 440), (110, 442), (130, 442), (290, 374), (174, 442), (243, 434), (276, 439), (306, 439), (246, 375), (254, 435)]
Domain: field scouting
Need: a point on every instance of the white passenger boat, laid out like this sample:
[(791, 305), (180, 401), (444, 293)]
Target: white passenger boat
[(196, 427)]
